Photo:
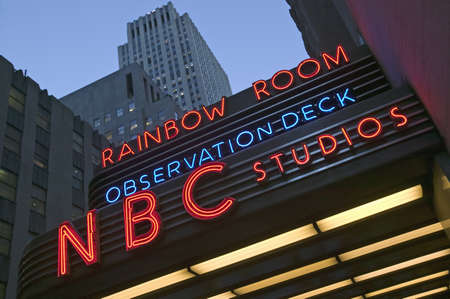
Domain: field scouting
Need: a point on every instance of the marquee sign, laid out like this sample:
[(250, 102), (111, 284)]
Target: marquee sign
[(237, 139), (140, 204)]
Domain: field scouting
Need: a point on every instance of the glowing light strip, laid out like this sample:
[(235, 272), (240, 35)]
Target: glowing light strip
[(255, 249), (371, 208), (407, 283), (286, 276), (391, 241), (152, 285), (323, 290), (427, 293), (225, 295), (403, 265)]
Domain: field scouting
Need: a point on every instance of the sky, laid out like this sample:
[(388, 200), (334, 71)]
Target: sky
[(65, 45)]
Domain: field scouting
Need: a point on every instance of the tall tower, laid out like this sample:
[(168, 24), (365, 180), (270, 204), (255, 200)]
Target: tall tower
[(174, 54)]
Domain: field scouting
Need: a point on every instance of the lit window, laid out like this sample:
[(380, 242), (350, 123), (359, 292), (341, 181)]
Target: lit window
[(107, 117), (96, 122), (119, 112), (149, 121), (131, 107), (133, 125), (39, 162), (121, 130), (108, 136), (77, 178), (38, 206)]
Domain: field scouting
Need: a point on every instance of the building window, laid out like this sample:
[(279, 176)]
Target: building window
[(38, 193), (38, 206), (39, 162), (108, 136), (121, 130), (131, 107), (107, 118), (8, 184), (77, 175), (43, 118), (129, 81), (133, 125), (96, 122), (149, 121), (77, 144), (12, 139), (119, 112), (16, 100), (5, 238)]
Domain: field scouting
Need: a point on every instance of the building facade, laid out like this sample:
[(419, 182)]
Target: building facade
[(48, 157), (123, 104), (172, 51), (324, 24), (318, 182)]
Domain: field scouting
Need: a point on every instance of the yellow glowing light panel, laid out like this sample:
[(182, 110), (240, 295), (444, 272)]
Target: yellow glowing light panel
[(407, 283), (323, 290), (403, 265), (225, 295), (371, 208), (427, 293), (286, 276), (152, 285), (391, 241), (255, 249)]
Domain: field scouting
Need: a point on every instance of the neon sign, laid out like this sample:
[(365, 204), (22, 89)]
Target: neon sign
[(236, 141), (368, 128), (191, 120)]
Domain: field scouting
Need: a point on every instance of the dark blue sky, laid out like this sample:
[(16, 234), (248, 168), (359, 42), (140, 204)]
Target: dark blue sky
[(65, 45)]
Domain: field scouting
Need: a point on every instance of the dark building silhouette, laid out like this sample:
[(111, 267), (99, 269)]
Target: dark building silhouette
[(123, 104), (324, 24), (48, 157)]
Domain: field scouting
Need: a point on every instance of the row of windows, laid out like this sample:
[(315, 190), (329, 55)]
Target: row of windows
[(162, 115), (8, 179), (119, 112), (12, 146)]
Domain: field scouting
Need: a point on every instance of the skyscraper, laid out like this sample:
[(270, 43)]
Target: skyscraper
[(172, 51), (48, 157)]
